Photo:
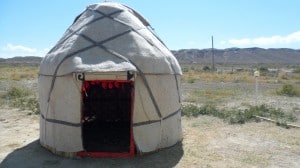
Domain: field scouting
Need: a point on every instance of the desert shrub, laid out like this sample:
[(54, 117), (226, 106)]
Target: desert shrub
[(287, 90), (210, 109), (23, 99), (185, 69), (194, 110), (238, 116), (33, 105), (191, 80), (263, 69), (242, 116), (206, 68), (14, 93), (190, 110), (235, 117)]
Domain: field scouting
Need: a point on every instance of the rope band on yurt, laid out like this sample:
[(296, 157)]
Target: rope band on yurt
[(75, 31), (176, 81), (55, 121), (154, 121), (61, 122)]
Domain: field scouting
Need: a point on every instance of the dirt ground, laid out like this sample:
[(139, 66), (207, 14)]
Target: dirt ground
[(207, 142)]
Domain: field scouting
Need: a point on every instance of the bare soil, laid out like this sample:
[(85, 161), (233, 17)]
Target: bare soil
[(207, 142)]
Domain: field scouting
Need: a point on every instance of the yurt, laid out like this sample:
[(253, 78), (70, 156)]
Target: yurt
[(109, 87)]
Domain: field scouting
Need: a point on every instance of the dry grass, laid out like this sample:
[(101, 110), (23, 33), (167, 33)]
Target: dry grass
[(210, 96), (208, 77), (209, 142), (19, 72), (196, 74)]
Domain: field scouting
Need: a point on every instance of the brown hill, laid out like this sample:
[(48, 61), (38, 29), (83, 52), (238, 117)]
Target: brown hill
[(239, 56), (22, 60), (204, 56)]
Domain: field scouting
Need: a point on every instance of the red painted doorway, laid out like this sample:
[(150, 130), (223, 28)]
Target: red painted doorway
[(107, 118)]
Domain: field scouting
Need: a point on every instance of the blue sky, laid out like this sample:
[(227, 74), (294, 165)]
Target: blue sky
[(32, 27)]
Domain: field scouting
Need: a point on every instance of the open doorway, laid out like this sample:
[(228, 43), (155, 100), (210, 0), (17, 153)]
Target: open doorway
[(107, 117)]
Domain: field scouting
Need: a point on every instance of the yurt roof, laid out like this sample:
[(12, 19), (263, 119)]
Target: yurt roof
[(109, 37)]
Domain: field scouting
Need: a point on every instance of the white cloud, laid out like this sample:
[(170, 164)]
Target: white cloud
[(265, 41), (12, 50), (18, 48)]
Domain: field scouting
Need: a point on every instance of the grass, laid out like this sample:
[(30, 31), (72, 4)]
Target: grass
[(209, 96), (18, 72), (18, 96), (238, 116), (217, 90), (222, 77), (196, 72), (22, 98), (288, 90)]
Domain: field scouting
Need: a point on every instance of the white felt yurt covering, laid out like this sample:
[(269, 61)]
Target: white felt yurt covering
[(109, 41)]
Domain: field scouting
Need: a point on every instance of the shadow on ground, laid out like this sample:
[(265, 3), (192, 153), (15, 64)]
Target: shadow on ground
[(33, 155)]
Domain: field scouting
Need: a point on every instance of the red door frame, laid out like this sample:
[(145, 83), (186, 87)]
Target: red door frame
[(132, 145)]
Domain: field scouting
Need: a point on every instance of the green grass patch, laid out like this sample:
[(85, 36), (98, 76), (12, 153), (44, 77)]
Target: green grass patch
[(22, 98), (288, 90), (237, 116)]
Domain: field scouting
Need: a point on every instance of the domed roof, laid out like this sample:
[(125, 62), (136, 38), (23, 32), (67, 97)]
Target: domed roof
[(109, 37)]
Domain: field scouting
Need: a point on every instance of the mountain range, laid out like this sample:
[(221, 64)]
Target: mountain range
[(204, 56), (22, 60), (239, 56)]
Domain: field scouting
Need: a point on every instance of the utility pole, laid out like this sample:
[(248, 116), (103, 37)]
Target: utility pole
[(213, 54)]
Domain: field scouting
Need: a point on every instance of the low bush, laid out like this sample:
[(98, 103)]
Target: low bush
[(206, 68), (237, 116), (263, 69), (190, 80), (23, 99), (288, 90), (14, 93), (190, 110)]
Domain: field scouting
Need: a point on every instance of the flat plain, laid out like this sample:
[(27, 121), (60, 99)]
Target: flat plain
[(208, 141)]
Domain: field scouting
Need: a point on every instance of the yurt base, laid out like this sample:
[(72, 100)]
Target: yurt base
[(90, 154), (59, 153), (104, 154)]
